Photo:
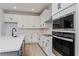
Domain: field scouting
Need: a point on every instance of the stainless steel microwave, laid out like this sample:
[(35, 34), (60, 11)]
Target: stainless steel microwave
[(65, 22)]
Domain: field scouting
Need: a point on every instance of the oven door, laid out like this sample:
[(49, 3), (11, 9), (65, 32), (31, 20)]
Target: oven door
[(63, 47), (68, 21)]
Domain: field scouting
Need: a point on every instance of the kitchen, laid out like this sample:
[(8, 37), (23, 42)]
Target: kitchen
[(21, 26), (39, 29)]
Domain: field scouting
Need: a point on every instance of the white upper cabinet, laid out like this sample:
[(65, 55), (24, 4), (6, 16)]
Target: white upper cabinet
[(29, 22), (49, 14), (42, 18), (9, 18), (23, 21), (65, 12), (56, 7), (65, 5), (45, 15)]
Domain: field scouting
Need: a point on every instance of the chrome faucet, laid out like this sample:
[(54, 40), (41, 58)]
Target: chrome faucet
[(13, 34)]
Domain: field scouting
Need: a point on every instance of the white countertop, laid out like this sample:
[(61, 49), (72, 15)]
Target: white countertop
[(8, 44)]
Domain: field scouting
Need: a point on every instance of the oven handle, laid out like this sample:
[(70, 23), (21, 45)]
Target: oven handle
[(66, 39)]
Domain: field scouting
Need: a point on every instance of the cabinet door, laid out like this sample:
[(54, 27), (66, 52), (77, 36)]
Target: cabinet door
[(43, 15), (21, 24), (49, 46), (65, 5), (9, 18), (48, 15), (65, 12), (40, 42), (43, 42), (56, 7)]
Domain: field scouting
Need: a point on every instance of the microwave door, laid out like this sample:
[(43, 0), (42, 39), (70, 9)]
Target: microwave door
[(58, 24), (68, 21)]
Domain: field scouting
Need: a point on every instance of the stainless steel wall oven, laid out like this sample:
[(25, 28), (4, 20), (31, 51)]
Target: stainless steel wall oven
[(64, 43)]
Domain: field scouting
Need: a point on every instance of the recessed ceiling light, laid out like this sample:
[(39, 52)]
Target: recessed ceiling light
[(14, 7), (33, 9)]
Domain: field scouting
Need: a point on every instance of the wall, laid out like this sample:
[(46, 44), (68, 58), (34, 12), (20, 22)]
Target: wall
[(28, 21), (8, 27)]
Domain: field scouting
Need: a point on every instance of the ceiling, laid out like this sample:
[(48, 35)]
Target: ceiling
[(24, 7)]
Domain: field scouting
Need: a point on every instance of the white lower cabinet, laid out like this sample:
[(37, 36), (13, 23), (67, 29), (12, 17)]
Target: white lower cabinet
[(46, 44), (42, 42), (39, 41)]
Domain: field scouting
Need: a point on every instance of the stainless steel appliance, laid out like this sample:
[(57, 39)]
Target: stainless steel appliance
[(64, 43), (65, 22)]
